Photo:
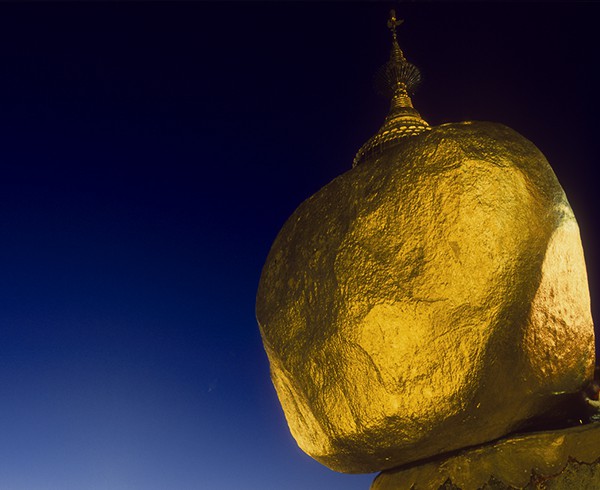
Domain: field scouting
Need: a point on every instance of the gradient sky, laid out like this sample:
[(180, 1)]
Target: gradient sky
[(149, 154)]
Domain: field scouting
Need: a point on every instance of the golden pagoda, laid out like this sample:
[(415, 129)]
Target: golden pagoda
[(433, 297)]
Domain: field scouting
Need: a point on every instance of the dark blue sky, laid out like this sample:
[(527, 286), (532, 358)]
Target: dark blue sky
[(149, 154)]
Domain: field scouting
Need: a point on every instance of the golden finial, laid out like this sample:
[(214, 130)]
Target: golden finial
[(397, 70), (392, 24), (396, 79)]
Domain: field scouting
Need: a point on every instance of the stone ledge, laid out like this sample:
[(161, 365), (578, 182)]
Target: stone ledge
[(565, 459)]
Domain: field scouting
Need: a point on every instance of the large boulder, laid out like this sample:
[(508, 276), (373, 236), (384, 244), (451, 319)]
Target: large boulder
[(432, 298)]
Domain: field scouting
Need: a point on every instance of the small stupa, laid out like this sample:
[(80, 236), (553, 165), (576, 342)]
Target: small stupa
[(433, 297), (396, 79)]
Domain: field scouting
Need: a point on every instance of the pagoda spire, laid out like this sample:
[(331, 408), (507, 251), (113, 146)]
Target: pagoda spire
[(396, 79)]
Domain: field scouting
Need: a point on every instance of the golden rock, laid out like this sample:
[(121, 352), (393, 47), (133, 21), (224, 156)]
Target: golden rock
[(433, 297), (431, 300)]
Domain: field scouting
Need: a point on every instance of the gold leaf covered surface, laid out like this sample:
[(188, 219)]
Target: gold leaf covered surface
[(432, 298)]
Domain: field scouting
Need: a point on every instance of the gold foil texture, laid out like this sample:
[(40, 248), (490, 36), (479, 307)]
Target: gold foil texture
[(432, 298)]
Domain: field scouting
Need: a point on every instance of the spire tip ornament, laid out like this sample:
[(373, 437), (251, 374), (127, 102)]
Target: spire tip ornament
[(393, 22)]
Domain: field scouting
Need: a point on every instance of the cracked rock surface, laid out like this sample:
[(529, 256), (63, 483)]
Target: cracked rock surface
[(432, 298), (566, 459)]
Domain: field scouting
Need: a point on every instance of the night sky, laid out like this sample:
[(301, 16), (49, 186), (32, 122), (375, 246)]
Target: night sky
[(149, 154)]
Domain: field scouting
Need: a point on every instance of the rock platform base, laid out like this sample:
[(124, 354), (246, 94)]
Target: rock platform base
[(565, 459)]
